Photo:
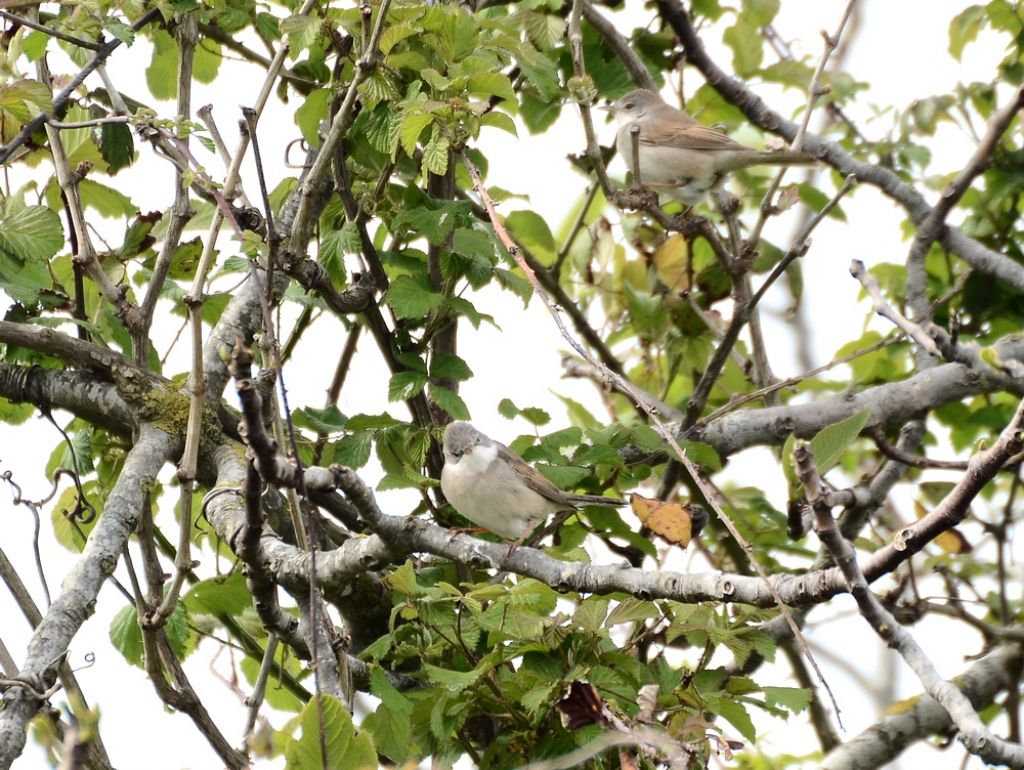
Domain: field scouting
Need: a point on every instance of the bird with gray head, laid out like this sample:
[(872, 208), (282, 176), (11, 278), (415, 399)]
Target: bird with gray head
[(495, 489), (679, 154)]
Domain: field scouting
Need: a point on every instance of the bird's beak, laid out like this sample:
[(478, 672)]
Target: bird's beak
[(605, 107)]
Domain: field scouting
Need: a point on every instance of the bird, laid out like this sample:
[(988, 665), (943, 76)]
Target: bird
[(494, 488), (680, 154)]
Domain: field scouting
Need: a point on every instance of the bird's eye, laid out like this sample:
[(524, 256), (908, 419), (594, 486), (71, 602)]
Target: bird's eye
[(629, 105)]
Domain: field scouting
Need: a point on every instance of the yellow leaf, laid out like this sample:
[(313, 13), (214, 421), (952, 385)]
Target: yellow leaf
[(671, 262), (671, 521)]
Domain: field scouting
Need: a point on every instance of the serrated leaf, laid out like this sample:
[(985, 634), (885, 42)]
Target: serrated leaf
[(353, 450), (449, 401), (31, 234), (491, 84), (381, 128), (590, 614), (456, 681), (126, 636), (832, 440), (345, 747), (738, 717), (21, 101), (631, 610), (409, 298), (328, 420), (794, 699), (412, 126), (301, 32), (444, 365), (405, 385), (435, 153), (500, 120), (514, 283), (72, 534)]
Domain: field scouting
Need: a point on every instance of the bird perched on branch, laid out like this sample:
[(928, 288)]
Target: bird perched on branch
[(495, 489), (679, 154)]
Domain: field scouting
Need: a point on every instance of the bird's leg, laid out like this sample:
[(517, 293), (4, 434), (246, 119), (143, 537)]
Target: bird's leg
[(453, 531), (515, 544)]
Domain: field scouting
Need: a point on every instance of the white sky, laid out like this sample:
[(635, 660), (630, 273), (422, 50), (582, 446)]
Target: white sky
[(528, 344)]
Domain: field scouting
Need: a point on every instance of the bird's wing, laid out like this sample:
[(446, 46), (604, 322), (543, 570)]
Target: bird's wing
[(532, 477), (692, 136)]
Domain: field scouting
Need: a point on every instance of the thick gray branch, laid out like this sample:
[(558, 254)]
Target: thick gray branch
[(83, 394), (881, 743), (82, 584), (895, 402)]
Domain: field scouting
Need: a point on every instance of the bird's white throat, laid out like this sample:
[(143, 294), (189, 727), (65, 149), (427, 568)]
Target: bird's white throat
[(477, 460)]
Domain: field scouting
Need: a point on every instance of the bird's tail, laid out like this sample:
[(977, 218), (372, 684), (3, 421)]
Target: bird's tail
[(782, 158), (612, 502)]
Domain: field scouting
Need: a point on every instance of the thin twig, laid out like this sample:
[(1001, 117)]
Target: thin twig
[(814, 92), (62, 98), (884, 309)]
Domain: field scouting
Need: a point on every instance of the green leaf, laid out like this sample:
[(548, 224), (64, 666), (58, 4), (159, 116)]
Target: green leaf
[(353, 450), (345, 747), (760, 12), (301, 32), (410, 298), (311, 113), (590, 614), (545, 30), (443, 365), (449, 401), (412, 126), (455, 681), (107, 201), (390, 724), (435, 153), (563, 476), (405, 385), (832, 440), (514, 283), (162, 72), (500, 120), (531, 414), (31, 234), (72, 533), (382, 127), (206, 61), (530, 229), (21, 101), (964, 28), (126, 636), (119, 29), (117, 146), (491, 84), (738, 717), (328, 420), (747, 44), (794, 699), (220, 595)]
